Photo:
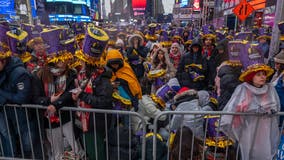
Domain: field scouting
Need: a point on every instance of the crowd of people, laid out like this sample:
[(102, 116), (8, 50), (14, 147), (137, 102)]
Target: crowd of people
[(145, 69)]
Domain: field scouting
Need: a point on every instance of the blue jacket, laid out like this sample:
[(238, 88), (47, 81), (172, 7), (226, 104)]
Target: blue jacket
[(15, 83)]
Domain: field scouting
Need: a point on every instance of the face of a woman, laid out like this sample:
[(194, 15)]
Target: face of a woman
[(259, 79), (174, 49), (195, 49), (58, 68), (160, 55), (135, 40), (220, 51), (60, 64), (39, 48), (262, 40), (208, 41), (277, 66), (155, 48)]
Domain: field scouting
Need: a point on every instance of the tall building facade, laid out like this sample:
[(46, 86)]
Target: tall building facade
[(120, 9), (154, 8)]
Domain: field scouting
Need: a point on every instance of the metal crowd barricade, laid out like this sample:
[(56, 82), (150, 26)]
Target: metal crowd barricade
[(34, 115), (204, 147)]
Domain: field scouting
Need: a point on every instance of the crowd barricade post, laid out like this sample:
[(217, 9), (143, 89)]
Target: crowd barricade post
[(204, 147), (33, 116)]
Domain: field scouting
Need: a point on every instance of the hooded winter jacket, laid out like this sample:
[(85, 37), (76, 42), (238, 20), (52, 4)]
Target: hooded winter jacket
[(15, 83), (183, 71)]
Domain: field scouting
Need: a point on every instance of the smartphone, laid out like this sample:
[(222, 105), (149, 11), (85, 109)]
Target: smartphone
[(75, 90)]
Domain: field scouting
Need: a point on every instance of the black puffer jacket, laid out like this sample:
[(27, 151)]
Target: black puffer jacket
[(15, 83), (100, 99), (229, 80), (211, 66), (183, 71)]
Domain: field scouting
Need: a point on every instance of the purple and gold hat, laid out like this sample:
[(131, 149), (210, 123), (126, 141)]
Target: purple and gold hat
[(177, 34), (252, 61), (208, 32), (247, 35), (33, 33), (94, 44), (112, 32), (56, 50), (220, 35), (4, 48), (189, 38), (216, 138), (262, 33), (166, 92), (235, 50), (17, 41), (281, 28), (164, 39), (151, 35), (67, 40), (79, 31)]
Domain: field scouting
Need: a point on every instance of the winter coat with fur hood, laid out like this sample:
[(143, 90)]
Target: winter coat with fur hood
[(170, 69), (188, 101)]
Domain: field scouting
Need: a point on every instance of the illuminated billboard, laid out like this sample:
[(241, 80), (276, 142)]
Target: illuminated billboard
[(177, 1), (71, 1), (139, 3), (184, 3), (196, 5), (139, 7), (64, 18), (7, 8)]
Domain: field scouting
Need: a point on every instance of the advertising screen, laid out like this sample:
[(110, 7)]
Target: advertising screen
[(72, 1), (63, 18), (138, 7), (139, 3), (184, 3), (7, 8), (196, 5)]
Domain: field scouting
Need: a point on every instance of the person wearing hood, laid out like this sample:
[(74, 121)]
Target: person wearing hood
[(257, 135), (192, 68), (278, 79), (226, 81), (15, 88), (136, 54), (175, 54), (187, 100), (222, 52), (124, 75), (119, 44), (161, 62)]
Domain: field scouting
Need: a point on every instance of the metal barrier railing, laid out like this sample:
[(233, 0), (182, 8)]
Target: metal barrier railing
[(230, 146), (31, 140), (26, 135)]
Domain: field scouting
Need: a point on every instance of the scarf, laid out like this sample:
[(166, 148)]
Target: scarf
[(175, 58), (56, 87)]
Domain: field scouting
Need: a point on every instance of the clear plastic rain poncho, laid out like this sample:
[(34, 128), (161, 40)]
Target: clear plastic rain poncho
[(257, 136)]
